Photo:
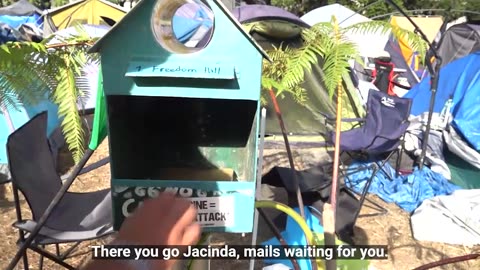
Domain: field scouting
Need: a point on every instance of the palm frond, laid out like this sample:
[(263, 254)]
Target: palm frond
[(302, 59), (70, 61), (31, 71), (415, 42), (338, 51), (65, 96), (19, 83)]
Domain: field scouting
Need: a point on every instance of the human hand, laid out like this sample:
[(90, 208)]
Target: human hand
[(165, 220)]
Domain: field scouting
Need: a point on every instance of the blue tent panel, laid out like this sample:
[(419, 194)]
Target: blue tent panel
[(194, 17), (184, 28), (17, 21), (396, 55), (459, 80), (20, 115)]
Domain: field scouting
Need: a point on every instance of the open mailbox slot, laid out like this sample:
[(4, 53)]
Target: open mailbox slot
[(166, 138), (194, 147)]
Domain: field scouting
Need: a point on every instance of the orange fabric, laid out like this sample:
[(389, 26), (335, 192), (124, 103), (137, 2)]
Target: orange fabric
[(429, 25)]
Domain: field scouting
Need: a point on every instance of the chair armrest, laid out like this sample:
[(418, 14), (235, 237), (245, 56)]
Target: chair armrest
[(333, 118), (328, 117), (353, 120), (401, 86)]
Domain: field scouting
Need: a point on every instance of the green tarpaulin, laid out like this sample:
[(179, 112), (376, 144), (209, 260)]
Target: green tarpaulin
[(99, 130)]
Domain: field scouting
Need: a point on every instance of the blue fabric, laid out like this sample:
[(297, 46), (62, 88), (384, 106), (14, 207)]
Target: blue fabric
[(184, 28), (396, 55), (460, 80), (17, 21), (14, 22), (408, 191), (294, 235), (384, 124)]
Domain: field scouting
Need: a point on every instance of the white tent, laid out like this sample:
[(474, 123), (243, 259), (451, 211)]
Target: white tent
[(368, 44)]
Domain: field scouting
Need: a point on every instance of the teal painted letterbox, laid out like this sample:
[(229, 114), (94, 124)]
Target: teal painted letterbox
[(183, 118)]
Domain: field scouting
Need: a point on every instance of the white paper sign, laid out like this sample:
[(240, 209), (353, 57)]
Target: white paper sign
[(214, 211)]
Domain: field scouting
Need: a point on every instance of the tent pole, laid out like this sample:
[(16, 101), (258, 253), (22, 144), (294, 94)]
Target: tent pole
[(261, 143), (434, 74), (43, 219), (296, 182), (8, 118), (434, 85)]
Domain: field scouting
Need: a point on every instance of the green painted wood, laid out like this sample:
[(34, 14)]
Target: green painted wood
[(175, 118)]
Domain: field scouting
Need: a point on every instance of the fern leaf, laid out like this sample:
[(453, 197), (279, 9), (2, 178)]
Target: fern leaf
[(66, 95)]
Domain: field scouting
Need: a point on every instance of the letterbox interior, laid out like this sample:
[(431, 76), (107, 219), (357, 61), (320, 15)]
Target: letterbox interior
[(169, 138)]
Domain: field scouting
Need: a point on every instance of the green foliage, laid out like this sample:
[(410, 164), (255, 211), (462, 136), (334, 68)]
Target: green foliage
[(328, 42), (325, 42), (415, 41), (337, 51), (17, 74), (29, 71)]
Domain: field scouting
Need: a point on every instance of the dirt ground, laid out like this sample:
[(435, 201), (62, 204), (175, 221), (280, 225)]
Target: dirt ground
[(392, 229)]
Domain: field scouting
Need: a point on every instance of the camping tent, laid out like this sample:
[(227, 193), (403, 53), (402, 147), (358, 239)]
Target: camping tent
[(400, 51), (459, 81), (84, 12), (368, 44), (458, 41), (271, 26), (12, 118), (19, 13), (20, 21), (344, 15)]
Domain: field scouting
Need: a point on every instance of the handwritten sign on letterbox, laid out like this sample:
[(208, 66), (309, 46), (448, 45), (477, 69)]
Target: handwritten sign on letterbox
[(187, 69)]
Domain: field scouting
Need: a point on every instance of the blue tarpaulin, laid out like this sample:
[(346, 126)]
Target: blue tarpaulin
[(17, 21), (459, 80), (294, 236), (407, 191), (14, 16), (185, 25)]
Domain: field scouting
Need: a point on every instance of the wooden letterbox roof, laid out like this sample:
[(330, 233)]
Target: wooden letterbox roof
[(98, 46)]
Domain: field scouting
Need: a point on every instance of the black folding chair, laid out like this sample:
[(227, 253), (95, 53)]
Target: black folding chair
[(78, 216)]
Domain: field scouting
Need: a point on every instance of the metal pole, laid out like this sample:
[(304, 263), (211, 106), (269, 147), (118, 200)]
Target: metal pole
[(43, 219), (259, 181), (434, 81), (434, 74)]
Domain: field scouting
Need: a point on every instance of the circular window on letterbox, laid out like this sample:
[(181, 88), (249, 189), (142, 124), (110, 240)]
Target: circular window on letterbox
[(182, 26)]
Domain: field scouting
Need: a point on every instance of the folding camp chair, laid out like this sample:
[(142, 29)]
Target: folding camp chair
[(384, 77), (380, 133), (77, 217)]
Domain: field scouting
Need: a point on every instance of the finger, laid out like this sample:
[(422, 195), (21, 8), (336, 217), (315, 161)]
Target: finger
[(181, 223), (162, 202), (182, 212), (191, 234)]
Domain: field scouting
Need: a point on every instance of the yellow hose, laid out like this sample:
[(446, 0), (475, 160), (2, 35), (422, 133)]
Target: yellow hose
[(297, 218), (294, 215)]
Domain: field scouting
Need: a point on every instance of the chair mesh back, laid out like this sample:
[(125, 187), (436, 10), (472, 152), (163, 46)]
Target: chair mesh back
[(386, 114), (31, 164), (386, 121)]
